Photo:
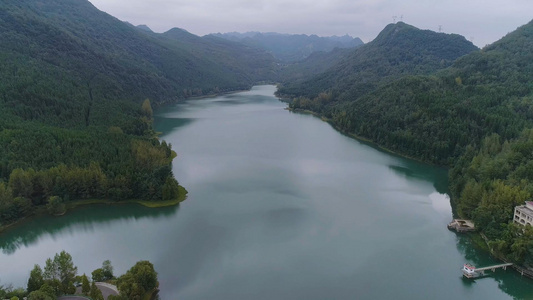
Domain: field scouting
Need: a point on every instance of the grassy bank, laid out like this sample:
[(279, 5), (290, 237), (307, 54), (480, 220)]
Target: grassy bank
[(152, 204), (73, 204)]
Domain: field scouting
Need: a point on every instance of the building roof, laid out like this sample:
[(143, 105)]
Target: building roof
[(526, 209)]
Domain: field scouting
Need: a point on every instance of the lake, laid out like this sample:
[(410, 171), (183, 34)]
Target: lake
[(280, 206)]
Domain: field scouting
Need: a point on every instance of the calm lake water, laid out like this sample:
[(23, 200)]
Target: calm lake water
[(281, 206)]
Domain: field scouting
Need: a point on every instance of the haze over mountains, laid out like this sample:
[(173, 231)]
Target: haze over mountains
[(292, 47)]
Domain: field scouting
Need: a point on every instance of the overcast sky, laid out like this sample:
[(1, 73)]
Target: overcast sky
[(483, 21)]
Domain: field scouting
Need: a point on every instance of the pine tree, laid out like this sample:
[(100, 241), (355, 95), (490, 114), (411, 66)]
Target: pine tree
[(85, 286)]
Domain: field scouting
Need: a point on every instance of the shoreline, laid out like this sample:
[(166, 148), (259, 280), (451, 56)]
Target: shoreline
[(41, 210), (214, 95), (360, 138), (477, 238)]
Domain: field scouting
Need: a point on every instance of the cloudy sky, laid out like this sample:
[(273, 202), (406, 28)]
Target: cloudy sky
[(482, 21)]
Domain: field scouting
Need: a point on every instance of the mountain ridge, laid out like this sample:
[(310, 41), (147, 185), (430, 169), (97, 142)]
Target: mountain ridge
[(398, 50), (291, 47)]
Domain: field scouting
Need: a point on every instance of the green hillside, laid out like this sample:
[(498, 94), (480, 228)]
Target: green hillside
[(74, 123), (317, 63), (400, 49), (250, 64), (435, 117)]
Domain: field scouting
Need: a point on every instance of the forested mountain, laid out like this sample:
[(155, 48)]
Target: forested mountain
[(74, 122), (400, 49), (435, 117), (474, 116), (315, 64), (291, 47), (252, 63), (104, 56)]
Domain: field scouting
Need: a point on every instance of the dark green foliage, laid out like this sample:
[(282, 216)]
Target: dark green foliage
[(140, 279), (433, 118), (239, 62), (71, 289), (48, 290), (83, 61), (95, 293), (18, 293), (399, 50), (316, 63), (85, 286), (489, 184), (60, 271), (40, 295), (55, 205), (104, 273), (98, 275), (36, 279), (72, 81), (170, 189)]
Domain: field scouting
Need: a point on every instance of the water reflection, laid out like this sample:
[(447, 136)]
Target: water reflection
[(80, 219), (172, 123), (414, 170)]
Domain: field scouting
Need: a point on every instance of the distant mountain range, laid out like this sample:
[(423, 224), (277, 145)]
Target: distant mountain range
[(291, 47)]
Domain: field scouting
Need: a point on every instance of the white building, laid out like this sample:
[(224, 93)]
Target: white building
[(523, 214)]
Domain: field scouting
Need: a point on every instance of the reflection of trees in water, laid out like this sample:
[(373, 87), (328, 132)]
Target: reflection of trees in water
[(467, 248), (415, 170), (513, 284), (83, 218), (508, 281)]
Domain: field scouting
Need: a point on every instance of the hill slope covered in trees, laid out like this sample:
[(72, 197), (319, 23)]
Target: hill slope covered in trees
[(75, 122), (400, 49)]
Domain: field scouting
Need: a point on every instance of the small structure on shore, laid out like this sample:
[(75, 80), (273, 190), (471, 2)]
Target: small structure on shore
[(469, 271), (523, 214), (461, 225)]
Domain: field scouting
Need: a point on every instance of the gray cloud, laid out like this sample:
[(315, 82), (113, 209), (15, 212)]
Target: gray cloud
[(484, 21)]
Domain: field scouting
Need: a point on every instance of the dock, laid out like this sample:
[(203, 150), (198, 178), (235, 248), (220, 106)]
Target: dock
[(470, 271), (461, 225)]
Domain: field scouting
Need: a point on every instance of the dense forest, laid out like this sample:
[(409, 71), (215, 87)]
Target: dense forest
[(400, 49), (472, 114), (488, 183), (315, 64), (77, 88)]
